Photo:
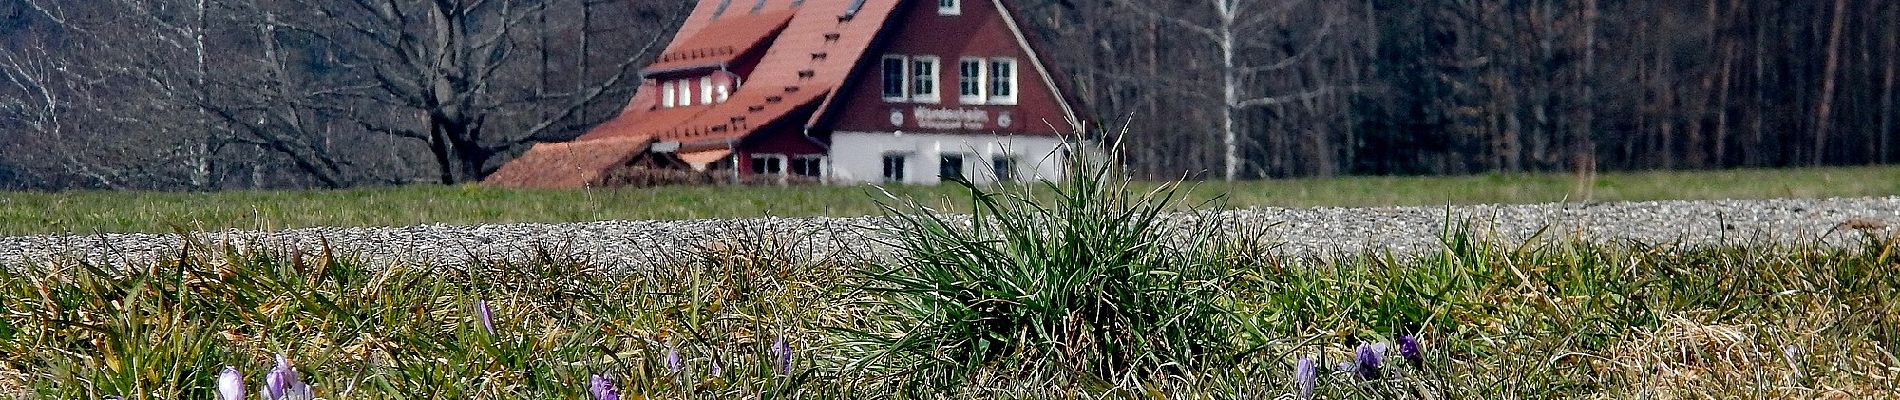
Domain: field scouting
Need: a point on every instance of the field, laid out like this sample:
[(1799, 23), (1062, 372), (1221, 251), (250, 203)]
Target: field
[(93, 212), (1076, 292)]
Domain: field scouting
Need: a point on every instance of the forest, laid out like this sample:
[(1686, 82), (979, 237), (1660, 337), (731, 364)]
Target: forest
[(229, 94)]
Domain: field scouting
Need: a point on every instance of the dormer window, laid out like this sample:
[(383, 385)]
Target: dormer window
[(666, 94), (949, 7)]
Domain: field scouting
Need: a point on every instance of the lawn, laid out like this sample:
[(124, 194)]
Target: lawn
[(1071, 294), (90, 212)]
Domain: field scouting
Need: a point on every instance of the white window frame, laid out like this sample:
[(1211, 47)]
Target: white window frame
[(903, 81), (1013, 80), (722, 92), (949, 7), (925, 80), (783, 165), (981, 81), (666, 94), (705, 90)]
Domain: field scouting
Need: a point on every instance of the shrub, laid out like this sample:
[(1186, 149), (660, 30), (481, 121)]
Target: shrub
[(1084, 276)]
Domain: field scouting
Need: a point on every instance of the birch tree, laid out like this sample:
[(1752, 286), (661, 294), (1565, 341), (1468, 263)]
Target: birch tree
[(1233, 27)]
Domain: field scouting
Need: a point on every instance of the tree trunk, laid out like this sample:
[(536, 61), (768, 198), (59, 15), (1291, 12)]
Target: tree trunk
[(1824, 104), (1891, 44), (1230, 93)]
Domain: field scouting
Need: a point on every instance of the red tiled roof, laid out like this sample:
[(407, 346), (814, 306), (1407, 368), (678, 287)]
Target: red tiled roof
[(571, 164), (817, 45), (722, 41)]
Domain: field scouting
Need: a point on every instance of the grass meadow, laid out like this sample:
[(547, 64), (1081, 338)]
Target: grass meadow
[(1075, 291), (99, 212)]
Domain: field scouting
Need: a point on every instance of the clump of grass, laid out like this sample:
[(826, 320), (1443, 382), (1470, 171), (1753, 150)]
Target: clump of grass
[(1087, 276)]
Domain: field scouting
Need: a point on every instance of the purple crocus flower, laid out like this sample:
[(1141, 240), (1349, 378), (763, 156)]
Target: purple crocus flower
[(284, 382), (783, 352), (715, 368), (602, 387), (673, 362), (1409, 349), (1367, 359), (488, 321), (1305, 376), (230, 384)]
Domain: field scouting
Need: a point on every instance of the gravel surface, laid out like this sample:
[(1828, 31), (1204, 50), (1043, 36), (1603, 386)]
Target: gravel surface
[(1299, 231)]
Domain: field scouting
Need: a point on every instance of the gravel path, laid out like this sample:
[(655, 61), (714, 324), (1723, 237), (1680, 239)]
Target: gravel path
[(1301, 232)]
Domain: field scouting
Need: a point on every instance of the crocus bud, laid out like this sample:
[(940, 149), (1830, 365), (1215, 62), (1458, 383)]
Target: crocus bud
[(1367, 359), (673, 362), (230, 384), (1305, 375), (488, 322), (1409, 349), (783, 352), (278, 378)]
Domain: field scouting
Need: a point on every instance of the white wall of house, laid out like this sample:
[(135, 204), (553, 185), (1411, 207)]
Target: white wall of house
[(859, 157)]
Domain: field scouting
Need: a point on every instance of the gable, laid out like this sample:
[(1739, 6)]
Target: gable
[(980, 32)]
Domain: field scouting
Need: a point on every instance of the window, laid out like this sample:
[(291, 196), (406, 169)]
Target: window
[(666, 94), (923, 87), (894, 77), (1004, 166), (705, 90), (949, 7), (970, 81), (1003, 80), (721, 91), (812, 166), (686, 93), (950, 167), (894, 167), (768, 164)]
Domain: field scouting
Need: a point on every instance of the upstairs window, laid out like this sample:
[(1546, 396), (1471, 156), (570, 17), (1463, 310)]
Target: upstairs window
[(894, 78), (705, 90), (923, 86), (949, 7), (970, 81), (666, 94), (685, 92), (721, 92), (1002, 81)]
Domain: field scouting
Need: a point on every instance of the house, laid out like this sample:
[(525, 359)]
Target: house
[(841, 91)]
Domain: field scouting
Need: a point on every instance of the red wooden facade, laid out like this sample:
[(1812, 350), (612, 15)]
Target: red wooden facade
[(761, 86)]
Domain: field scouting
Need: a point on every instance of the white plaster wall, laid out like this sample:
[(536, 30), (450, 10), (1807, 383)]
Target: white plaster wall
[(858, 157)]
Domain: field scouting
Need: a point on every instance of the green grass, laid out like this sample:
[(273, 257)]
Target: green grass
[(90, 212), (1551, 321), (1069, 292)]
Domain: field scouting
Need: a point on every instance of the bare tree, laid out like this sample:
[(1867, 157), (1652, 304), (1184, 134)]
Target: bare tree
[(1231, 28), (454, 66)]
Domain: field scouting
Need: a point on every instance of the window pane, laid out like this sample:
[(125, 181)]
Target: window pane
[(894, 168), (970, 78), (666, 94), (951, 167), (807, 166), (1005, 168), (893, 77), (686, 93), (948, 7), (926, 83), (1002, 78), (705, 90), (768, 164)]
